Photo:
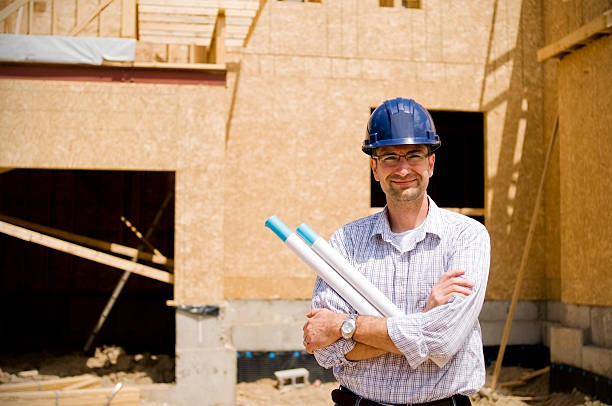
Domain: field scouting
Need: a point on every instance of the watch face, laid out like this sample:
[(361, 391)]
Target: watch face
[(348, 328)]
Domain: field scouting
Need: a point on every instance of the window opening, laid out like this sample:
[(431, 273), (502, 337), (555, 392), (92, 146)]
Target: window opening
[(458, 180), (411, 3)]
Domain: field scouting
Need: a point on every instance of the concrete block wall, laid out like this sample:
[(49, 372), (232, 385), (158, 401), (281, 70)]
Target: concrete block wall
[(205, 360), (580, 337), (526, 326)]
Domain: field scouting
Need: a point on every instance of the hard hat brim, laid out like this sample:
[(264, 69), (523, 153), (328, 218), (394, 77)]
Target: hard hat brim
[(433, 144)]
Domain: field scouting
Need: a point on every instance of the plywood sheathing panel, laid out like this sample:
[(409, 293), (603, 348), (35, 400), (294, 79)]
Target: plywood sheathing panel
[(558, 20), (585, 79)]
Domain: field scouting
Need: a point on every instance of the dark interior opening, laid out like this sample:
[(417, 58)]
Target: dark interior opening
[(52, 300)]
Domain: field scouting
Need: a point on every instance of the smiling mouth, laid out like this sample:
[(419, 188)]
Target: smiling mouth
[(404, 182)]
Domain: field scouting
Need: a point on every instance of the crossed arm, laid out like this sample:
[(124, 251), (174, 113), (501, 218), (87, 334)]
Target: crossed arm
[(371, 336)]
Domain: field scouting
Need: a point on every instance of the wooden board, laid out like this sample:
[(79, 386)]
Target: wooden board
[(594, 29), (51, 384), (84, 252), (126, 396)]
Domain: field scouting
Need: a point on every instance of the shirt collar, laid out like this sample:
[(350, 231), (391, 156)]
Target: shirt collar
[(432, 224)]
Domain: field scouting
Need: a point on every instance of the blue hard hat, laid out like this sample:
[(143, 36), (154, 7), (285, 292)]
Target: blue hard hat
[(400, 122)]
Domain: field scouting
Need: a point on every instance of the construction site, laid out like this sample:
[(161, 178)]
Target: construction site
[(144, 143)]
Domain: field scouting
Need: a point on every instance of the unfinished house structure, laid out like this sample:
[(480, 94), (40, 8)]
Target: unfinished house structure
[(195, 120)]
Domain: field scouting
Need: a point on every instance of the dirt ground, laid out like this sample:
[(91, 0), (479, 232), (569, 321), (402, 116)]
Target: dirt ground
[(113, 365)]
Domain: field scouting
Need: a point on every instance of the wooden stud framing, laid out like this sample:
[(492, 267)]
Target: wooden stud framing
[(11, 8), (80, 26), (216, 51), (128, 18)]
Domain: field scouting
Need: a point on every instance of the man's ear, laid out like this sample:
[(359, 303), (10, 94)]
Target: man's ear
[(432, 161), (373, 167)]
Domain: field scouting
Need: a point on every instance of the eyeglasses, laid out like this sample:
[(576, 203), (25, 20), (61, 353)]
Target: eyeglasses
[(412, 158)]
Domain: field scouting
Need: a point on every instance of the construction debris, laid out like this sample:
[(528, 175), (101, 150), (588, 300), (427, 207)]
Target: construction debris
[(71, 391), (524, 378)]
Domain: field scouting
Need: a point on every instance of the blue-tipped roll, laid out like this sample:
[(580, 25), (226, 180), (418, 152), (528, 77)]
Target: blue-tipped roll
[(280, 229), (307, 233)]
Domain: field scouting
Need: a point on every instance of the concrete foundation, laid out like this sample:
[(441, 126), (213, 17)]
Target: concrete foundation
[(205, 360)]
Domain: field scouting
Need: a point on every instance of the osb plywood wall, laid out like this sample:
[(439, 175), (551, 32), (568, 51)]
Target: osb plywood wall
[(122, 126), (577, 210), (295, 109), (585, 80), (307, 81)]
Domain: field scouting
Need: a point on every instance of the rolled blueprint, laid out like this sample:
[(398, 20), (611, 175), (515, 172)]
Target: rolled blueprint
[(322, 268), (348, 272)]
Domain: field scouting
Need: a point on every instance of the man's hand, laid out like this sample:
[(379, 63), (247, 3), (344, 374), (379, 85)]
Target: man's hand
[(322, 329), (449, 285)]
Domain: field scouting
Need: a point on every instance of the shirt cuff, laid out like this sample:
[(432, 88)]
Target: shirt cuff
[(406, 334), (335, 354)]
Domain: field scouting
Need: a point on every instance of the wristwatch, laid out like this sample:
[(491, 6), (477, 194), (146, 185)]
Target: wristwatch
[(348, 326)]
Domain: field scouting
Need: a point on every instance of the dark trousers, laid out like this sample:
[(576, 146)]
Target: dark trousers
[(344, 397)]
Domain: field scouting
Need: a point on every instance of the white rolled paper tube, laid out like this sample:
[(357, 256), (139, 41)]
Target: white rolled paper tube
[(348, 272), (322, 268)]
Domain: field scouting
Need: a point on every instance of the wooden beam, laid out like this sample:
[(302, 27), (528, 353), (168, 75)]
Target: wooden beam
[(79, 27), (91, 242), (523, 265), (600, 26), (262, 4), (211, 67), (83, 252), (11, 8), (468, 211), (216, 50), (128, 19), (126, 396), (51, 384)]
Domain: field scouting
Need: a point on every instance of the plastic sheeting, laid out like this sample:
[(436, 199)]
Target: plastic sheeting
[(68, 50)]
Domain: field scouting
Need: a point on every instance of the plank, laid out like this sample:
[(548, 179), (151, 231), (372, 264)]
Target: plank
[(79, 27), (162, 38), (174, 27), (50, 384), (601, 25), (84, 252), (236, 4), (128, 18), (126, 396), (523, 265), (205, 11), (468, 211), (92, 242), (11, 8), (176, 18)]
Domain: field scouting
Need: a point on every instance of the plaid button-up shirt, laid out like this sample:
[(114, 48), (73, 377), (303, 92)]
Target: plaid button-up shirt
[(442, 348)]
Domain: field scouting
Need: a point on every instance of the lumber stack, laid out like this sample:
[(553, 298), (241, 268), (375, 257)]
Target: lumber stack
[(81, 390)]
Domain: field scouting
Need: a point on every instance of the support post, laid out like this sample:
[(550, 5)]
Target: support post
[(523, 266)]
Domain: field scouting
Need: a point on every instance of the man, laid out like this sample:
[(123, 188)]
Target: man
[(432, 263)]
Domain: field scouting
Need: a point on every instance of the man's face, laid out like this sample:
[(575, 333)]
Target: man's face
[(405, 179)]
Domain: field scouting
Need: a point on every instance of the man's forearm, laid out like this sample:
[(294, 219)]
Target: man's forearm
[(362, 351), (372, 331)]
